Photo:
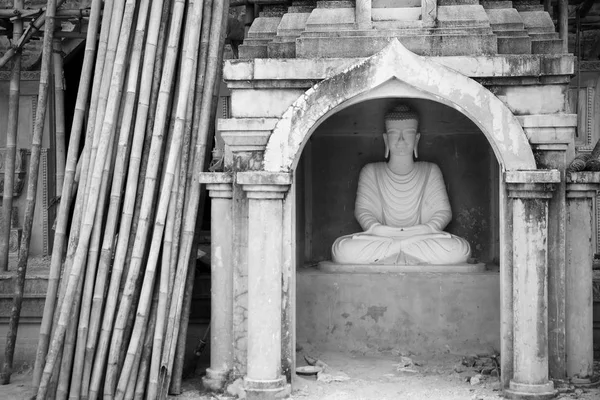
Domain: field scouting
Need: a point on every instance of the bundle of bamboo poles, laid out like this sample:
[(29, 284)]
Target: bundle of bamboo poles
[(122, 260)]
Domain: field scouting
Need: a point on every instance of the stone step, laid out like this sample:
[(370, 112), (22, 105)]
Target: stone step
[(543, 35), (396, 14), (462, 16), (537, 21), (514, 44), (551, 46), (505, 19), (335, 4), (528, 7), (456, 2), (394, 25), (331, 19), (264, 27), (292, 24), (395, 3), (489, 5), (511, 33), (415, 30), (425, 45)]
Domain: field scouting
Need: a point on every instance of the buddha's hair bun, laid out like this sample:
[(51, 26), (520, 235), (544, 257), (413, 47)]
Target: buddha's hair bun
[(401, 112)]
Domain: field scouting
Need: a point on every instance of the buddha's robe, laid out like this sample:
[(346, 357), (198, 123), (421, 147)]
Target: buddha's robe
[(417, 199)]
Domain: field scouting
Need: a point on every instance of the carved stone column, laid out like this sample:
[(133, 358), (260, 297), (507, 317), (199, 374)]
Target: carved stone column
[(265, 192), (245, 140), (219, 187), (550, 136), (581, 191), (363, 14), (529, 192)]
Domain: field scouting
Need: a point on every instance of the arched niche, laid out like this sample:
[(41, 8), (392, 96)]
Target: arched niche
[(328, 170), (397, 72)]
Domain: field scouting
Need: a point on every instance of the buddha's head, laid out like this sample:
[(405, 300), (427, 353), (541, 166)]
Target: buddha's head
[(401, 135)]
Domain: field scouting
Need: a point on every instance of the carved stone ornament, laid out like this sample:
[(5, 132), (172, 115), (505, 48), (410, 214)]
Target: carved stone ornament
[(20, 171)]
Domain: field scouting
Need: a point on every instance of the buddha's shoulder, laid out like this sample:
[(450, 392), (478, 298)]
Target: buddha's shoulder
[(373, 167), (425, 165)]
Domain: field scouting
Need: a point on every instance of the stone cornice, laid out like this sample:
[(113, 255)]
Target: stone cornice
[(480, 67)]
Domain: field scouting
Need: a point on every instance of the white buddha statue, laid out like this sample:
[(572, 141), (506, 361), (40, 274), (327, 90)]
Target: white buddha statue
[(402, 206)]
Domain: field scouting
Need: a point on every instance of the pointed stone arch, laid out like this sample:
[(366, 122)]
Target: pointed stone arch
[(419, 76)]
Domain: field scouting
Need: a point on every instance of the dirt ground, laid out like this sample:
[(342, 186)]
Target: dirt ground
[(383, 376)]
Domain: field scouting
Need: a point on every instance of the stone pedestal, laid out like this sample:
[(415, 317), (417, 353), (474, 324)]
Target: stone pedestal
[(579, 296), (219, 187), (265, 192), (529, 192)]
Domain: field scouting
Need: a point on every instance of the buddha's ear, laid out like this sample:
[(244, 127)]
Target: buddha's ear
[(387, 147), (417, 137)]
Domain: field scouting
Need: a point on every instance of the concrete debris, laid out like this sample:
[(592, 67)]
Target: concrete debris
[(400, 352), (459, 368), (332, 376), (237, 389), (476, 380), (406, 364)]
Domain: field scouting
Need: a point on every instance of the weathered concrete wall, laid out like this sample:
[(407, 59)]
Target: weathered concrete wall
[(348, 140), (41, 239), (419, 312)]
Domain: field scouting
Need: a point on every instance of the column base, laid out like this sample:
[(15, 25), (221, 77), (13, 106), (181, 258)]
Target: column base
[(523, 391), (215, 379), (266, 389), (590, 381)]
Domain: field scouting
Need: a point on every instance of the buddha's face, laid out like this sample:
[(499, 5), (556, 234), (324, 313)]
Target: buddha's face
[(401, 137)]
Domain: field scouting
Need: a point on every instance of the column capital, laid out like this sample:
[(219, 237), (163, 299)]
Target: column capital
[(264, 185), (582, 184), (549, 132), (219, 184), (246, 134), (536, 184)]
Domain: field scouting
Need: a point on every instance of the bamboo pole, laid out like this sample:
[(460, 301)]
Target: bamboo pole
[(9, 159), (174, 213), (59, 105), (64, 373), (70, 170), (147, 201), (120, 166), (97, 113), (92, 201), (175, 386), (126, 390), (28, 34), (177, 376), (165, 273), (140, 387), (67, 374), (34, 163), (141, 182), (189, 284), (136, 220), (186, 164), (85, 290), (218, 24), (151, 71)]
